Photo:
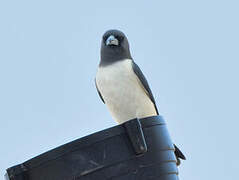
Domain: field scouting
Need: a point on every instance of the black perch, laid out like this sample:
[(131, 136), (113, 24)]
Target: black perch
[(136, 150)]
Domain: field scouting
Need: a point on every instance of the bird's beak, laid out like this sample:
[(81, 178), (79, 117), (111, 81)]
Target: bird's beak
[(111, 40)]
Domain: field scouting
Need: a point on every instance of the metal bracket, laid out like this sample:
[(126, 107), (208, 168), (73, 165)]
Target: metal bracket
[(136, 135)]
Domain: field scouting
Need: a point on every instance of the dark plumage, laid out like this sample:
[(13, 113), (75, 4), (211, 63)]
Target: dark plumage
[(110, 53)]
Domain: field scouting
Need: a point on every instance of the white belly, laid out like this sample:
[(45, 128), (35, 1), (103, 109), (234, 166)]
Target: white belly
[(122, 92)]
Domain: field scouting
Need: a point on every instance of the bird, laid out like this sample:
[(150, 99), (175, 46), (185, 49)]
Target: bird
[(121, 84)]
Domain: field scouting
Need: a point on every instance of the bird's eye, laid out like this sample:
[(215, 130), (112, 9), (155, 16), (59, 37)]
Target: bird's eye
[(120, 38), (104, 38)]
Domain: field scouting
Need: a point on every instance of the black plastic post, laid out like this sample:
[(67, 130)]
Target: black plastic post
[(140, 149)]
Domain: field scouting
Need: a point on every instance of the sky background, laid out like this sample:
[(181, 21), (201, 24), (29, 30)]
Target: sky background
[(188, 50)]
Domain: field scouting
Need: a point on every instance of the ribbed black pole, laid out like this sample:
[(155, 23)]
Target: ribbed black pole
[(136, 150)]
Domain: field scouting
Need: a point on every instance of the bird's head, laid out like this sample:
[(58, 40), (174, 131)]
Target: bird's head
[(114, 47)]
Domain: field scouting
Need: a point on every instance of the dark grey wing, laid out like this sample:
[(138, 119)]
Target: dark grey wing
[(179, 155), (99, 92), (145, 84)]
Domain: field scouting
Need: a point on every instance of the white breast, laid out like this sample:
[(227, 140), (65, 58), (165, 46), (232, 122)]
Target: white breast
[(123, 93)]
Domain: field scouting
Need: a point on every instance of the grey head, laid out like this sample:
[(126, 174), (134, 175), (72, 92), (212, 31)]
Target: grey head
[(114, 47)]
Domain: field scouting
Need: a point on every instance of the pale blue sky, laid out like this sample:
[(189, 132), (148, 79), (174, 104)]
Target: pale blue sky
[(188, 50)]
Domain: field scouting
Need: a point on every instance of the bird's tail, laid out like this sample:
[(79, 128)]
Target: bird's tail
[(179, 155)]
